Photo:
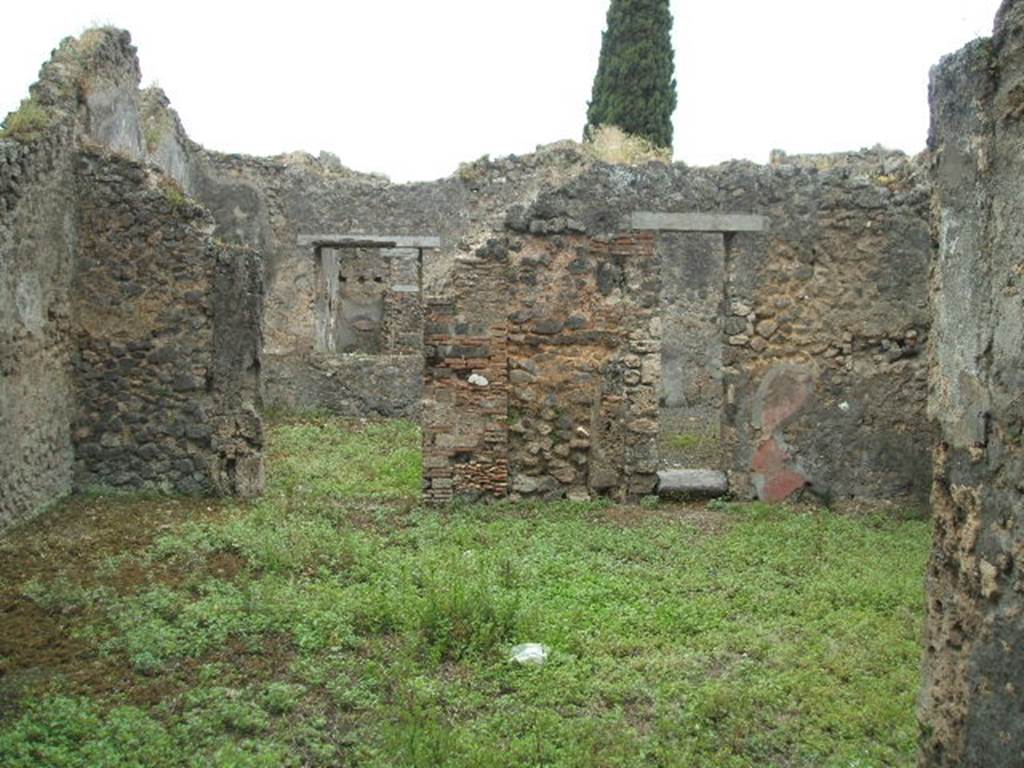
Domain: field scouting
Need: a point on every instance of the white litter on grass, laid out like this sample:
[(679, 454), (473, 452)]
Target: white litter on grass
[(844, 406), (529, 653)]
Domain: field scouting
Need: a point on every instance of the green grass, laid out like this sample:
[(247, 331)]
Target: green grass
[(336, 622), (314, 458), (28, 122), (688, 442), (693, 449)]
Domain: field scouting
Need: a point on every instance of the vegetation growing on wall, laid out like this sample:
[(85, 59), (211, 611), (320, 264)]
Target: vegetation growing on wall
[(611, 144), (27, 122)]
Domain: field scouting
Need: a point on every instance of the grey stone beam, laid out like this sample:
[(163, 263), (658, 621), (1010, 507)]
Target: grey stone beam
[(697, 222), (692, 483), (370, 241)]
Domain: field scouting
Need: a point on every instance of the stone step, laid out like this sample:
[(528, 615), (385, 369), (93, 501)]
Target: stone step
[(692, 483)]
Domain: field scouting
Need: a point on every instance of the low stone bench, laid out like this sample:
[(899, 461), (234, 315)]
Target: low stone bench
[(692, 483)]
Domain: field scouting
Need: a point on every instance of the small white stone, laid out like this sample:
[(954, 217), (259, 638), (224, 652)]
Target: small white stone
[(844, 406), (477, 380), (529, 653)]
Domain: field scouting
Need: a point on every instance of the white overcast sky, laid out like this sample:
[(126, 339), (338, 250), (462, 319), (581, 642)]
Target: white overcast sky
[(411, 88)]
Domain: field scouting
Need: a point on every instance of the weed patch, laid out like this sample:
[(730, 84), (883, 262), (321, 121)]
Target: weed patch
[(28, 122), (335, 621)]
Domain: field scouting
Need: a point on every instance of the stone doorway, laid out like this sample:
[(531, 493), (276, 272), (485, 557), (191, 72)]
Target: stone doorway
[(690, 400), (693, 253)]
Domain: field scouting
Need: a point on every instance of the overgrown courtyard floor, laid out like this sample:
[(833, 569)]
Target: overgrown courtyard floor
[(337, 623)]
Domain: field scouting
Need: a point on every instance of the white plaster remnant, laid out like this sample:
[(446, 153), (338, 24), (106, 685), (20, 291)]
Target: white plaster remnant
[(477, 380), (28, 301)]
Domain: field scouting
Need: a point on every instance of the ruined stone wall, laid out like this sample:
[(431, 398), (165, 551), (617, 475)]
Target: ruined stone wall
[(846, 256), (821, 319), (806, 339), (103, 262), (465, 391), (825, 321), (161, 354), (970, 707), (268, 202), (835, 296), (543, 366), (37, 244), (584, 355), (235, 383), (367, 336)]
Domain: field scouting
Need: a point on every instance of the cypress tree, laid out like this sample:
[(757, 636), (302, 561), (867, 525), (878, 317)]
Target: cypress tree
[(635, 86)]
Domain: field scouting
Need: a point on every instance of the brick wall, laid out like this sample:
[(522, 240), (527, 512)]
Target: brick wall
[(465, 403), (543, 367)]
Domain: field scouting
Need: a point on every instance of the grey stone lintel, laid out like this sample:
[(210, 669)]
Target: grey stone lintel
[(653, 221), (421, 242)]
